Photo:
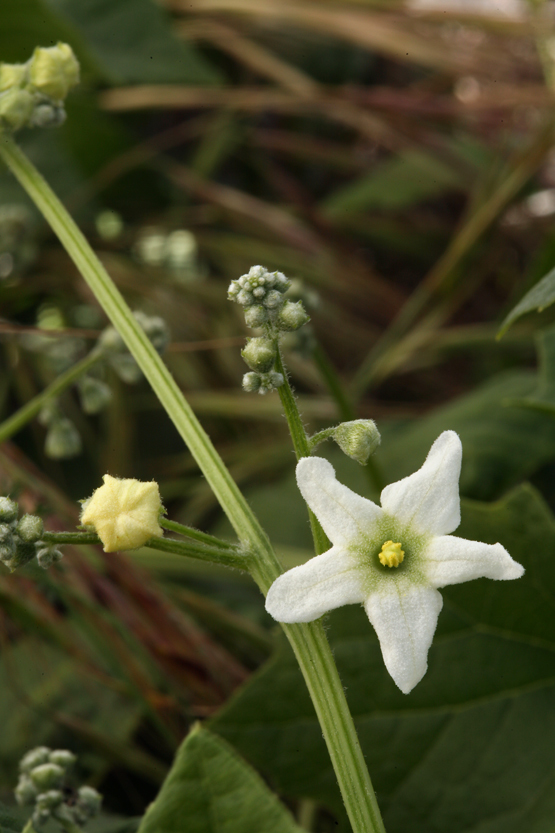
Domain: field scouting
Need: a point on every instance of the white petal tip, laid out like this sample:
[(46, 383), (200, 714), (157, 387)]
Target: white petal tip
[(309, 467)]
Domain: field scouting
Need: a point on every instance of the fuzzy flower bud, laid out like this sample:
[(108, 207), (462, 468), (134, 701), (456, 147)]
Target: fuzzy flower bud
[(16, 108), (259, 287), (124, 513), (49, 800), (46, 776), (46, 556), (25, 792), (88, 804), (12, 75), (54, 70), (35, 757), (62, 757), (251, 382), (259, 354), (270, 381), (292, 316), (8, 510), (62, 440), (256, 316), (357, 439), (30, 528), (94, 394)]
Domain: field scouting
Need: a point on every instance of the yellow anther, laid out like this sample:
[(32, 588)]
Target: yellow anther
[(391, 555)]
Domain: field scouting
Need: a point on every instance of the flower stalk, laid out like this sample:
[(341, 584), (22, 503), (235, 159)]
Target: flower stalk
[(309, 642)]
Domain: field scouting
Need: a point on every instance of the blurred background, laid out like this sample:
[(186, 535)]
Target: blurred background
[(396, 159)]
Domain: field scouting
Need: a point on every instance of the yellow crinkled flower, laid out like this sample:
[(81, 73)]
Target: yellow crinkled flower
[(124, 513)]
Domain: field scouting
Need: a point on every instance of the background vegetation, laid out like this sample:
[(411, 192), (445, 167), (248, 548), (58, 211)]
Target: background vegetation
[(399, 162)]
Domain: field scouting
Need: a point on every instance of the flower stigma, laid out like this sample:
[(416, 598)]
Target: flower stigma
[(391, 554)]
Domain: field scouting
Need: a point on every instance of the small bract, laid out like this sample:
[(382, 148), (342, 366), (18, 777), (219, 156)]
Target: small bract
[(124, 513), (391, 559)]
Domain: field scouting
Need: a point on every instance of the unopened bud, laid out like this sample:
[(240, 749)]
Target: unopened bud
[(54, 70), (259, 354), (25, 792), (292, 316), (46, 556), (33, 758), (256, 316), (47, 114), (94, 394), (251, 382), (62, 757), (47, 776), (124, 513), (12, 75), (270, 381), (62, 440), (357, 439), (8, 511), (16, 107), (89, 802), (30, 528), (49, 800)]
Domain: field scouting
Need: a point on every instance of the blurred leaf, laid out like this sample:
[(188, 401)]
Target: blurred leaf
[(480, 724), (543, 397), (541, 295), (395, 184), (28, 23), (8, 822), (133, 41), (215, 791)]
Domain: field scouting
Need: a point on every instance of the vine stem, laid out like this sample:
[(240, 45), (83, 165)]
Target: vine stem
[(33, 407), (308, 641)]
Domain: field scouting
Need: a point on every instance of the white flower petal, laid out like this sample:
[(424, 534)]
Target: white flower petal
[(429, 498), (345, 516), (307, 592), (404, 616), (452, 560)]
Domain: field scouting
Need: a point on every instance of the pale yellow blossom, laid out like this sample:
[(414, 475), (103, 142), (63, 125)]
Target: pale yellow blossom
[(124, 513)]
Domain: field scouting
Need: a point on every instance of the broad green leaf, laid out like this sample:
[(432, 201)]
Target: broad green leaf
[(543, 397), (470, 750), (541, 295), (210, 789), (395, 184), (133, 41)]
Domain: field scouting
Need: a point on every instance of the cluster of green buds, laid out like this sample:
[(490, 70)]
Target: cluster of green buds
[(42, 785), (63, 440), (118, 357), (32, 94), (358, 438), (261, 294), (20, 539)]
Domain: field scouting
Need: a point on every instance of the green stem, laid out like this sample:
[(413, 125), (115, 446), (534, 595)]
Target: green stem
[(227, 557), (18, 420), (29, 827), (301, 444), (308, 641), (196, 534), (69, 826), (70, 538)]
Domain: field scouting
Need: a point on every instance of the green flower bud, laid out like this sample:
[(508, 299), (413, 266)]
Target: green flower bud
[(8, 510), (49, 800), (46, 556), (62, 757), (16, 108), (47, 776), (54, 70), (94, 394), (12, 75), (89, 802), (273, 299), (292, 316), (256, 316), (259, 354), (270, 381), (24, 552), (357, 439), (33, 758), (47, 114), (30, 528), (62, 440), (25, 792), (251, 382)]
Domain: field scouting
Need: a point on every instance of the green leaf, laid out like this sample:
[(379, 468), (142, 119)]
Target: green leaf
[(28, 23), (398, 183), (133, 42), (470, 750), (543, 397), (210, 789), (8, 822), (541, 295)]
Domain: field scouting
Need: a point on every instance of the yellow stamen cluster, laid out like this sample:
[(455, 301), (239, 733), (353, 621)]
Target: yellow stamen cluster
[(391, 555)]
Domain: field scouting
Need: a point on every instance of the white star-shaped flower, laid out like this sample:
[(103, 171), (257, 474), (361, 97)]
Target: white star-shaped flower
[(391, 559)]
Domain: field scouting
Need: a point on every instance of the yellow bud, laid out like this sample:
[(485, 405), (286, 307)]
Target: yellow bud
[(16, 108), (391, 555), (124, 513), (54, 70), (12, 75)]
